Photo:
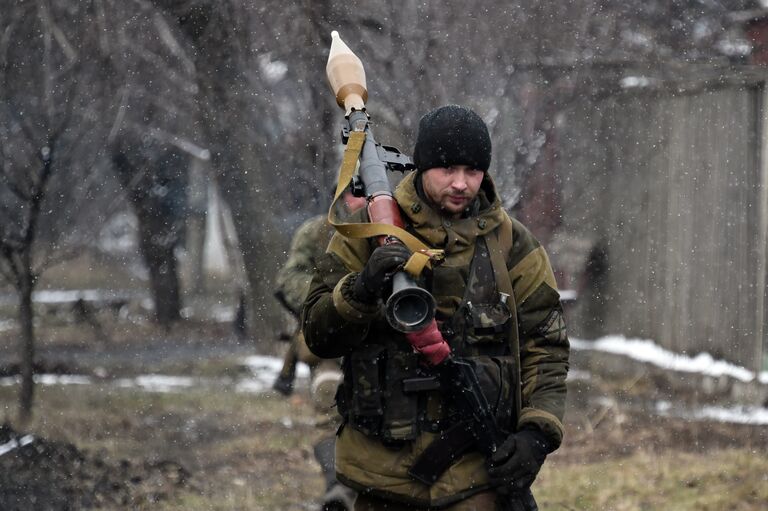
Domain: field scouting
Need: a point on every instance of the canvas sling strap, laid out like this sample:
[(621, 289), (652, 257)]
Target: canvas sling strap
[(499, 263), (421, 254)]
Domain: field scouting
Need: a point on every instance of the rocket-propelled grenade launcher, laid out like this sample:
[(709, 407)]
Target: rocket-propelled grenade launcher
[(410, 308)]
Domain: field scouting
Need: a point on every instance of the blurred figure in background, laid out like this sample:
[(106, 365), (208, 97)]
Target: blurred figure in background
[(308, 244)]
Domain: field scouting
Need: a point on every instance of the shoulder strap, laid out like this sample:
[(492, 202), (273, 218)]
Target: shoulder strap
[(498, 259)]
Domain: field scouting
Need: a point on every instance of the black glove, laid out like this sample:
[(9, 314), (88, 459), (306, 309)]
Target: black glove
[(384, 261), (518, 460)]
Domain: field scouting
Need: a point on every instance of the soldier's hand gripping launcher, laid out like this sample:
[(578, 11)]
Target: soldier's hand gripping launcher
[(410, 308)]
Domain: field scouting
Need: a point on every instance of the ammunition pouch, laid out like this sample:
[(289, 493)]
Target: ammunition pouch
[(489, 322), (360, 397), (383, 393), (481, 328)]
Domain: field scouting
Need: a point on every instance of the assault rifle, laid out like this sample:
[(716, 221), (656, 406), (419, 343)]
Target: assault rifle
[(459, 380), (410, 308)]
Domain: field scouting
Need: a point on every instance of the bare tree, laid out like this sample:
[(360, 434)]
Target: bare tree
[(53, 109), (153, 139), (250, 113)]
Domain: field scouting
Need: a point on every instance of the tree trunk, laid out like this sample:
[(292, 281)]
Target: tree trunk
[(27, 340), (158, 234)]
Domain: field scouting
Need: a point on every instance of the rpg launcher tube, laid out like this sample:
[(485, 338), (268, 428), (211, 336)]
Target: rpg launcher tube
[(410, 308)]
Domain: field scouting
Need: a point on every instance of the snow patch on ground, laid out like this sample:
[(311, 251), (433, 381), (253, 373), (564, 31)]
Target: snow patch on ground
[(645, 350), (49, 379), (66, 296), (578, 374), (62, 379), (752, 415), (14, 444), (161, 383), (633, 82), (259, 364), (263, 370)]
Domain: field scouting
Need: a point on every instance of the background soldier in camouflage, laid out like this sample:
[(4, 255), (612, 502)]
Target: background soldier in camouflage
[(497, 308), (308, 244)]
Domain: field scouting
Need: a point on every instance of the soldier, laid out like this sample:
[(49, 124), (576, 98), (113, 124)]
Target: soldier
[(497, 307), (308, 244)]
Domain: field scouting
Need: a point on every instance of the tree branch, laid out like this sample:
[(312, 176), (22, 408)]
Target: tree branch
[(13, 187), (26, 128), (6, 271), (12, 272)]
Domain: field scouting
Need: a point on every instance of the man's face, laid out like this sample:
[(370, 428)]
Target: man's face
[(452, 189)]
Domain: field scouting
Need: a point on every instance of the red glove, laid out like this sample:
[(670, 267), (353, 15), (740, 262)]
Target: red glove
[(430, 343)]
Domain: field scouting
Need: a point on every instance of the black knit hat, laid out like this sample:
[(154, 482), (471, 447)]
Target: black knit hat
[(452, 135)]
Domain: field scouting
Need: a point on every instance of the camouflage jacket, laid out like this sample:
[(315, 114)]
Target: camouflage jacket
[(308, 244), (536, 353)]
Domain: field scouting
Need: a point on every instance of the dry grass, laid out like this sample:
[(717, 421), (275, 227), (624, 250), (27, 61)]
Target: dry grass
[(243, 451), (734, 479), (254, 452)]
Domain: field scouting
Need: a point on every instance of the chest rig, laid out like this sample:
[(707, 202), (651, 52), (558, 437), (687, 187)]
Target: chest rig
[(389, 394)]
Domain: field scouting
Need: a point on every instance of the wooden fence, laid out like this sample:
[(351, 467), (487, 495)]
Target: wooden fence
[(668, 191)]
